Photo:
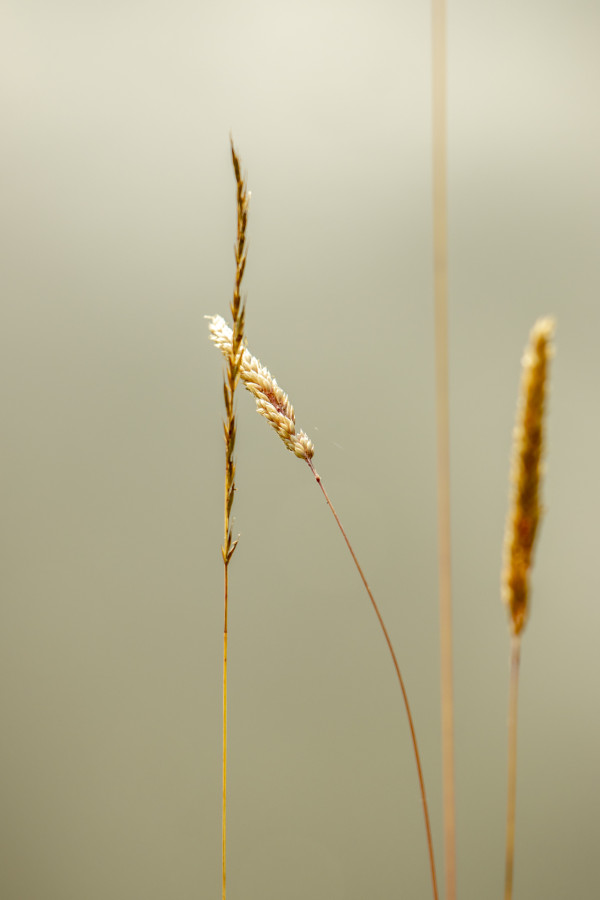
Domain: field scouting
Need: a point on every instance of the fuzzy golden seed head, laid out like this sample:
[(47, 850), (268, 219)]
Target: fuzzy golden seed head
[(526, 470)]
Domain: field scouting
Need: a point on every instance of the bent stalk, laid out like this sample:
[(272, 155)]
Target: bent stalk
[(411, 725)]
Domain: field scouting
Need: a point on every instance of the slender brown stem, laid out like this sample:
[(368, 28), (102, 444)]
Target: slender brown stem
[(513, 699), (398, 673), (440, 258)]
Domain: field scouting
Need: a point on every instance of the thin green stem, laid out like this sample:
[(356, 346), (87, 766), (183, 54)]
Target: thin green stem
[(398, 673)]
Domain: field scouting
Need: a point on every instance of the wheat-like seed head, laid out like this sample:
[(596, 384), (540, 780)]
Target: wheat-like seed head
[(271, 401), (525, 510)]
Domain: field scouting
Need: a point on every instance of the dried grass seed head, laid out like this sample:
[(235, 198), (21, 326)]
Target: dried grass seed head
[(271, 401), (526, 471)]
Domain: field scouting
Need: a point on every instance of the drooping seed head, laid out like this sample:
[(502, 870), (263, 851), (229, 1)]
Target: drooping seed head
[(271, 401)]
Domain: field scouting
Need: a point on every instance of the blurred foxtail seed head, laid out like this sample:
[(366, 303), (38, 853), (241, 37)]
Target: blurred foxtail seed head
[(526, 471)]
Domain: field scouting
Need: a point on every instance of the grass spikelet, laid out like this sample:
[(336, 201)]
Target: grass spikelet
[(271, 401), (233, 358), (525, 509)]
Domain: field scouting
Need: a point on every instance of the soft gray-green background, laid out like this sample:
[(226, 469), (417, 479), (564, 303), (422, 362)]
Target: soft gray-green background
[(117, 225)]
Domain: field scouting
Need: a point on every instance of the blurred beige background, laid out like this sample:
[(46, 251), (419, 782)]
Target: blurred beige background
[(117, 225)]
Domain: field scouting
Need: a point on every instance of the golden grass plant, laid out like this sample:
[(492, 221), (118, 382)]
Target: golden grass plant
[(233, 359)]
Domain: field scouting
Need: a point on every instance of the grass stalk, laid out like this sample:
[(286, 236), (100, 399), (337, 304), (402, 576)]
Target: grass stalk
[(513, 697), (231, 379), (411, 725), (521, 530), (440, 270)]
